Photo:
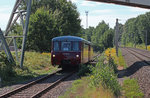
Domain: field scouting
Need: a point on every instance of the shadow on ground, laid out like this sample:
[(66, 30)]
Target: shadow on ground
[(132, 69)]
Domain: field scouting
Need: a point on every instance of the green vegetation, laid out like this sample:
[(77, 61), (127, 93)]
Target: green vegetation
[(6, 68), (80, 89), (49, 18), (84, 70), (131, 89), (110, 54), (104, 74), (139, 46), (100, 82), (102, 36), (134, 30), (121, 60), (35, 64)]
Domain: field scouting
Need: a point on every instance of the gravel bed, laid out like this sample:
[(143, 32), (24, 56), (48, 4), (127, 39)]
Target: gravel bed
[(138, 70), (38, 87), (61, 88), (12, 87)]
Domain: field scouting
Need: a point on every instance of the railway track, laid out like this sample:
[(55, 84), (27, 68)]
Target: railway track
[(138, 67), (140, 54), (38, 87)]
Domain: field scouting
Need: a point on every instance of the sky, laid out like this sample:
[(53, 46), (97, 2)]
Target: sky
[(97, 12)]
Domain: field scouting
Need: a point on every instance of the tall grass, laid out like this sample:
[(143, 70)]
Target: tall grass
[(121, 60), (6, 68), (100, 82), (35, 64), (110, 54), (105, 74), (140, 46), (80, 89), (131, 89), (38, 63)]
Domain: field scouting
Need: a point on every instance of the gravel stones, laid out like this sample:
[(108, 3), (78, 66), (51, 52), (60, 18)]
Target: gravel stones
[(138, 70)]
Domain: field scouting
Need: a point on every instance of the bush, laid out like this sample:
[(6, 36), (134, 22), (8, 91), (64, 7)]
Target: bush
[(6, 68), (104, 74), (84, 70)]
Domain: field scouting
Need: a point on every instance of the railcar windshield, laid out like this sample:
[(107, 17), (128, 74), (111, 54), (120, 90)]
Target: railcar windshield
[(70, 46), (66, 46), (75, 46), (56, 46)]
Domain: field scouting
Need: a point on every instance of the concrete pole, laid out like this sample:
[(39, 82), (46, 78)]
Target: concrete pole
[(86, 12), (116, 36)]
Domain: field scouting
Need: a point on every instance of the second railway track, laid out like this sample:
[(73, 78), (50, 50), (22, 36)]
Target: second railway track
[(141, 56), (39, 87)]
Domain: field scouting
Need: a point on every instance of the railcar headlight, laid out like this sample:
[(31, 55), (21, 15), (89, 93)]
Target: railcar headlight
[(53, 55), (77, 56)]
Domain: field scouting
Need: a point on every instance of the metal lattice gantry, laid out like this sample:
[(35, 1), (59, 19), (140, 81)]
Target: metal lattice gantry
[(23, 14)]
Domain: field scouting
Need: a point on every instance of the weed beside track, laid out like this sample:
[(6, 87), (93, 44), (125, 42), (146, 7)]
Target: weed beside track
[(35, 64)]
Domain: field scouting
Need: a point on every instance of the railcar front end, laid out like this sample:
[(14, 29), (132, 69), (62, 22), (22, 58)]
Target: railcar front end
[(70, 51), (66, 51)]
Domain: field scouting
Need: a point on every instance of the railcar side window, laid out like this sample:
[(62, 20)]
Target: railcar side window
[(75, 46), (66, 46), (56, 46)]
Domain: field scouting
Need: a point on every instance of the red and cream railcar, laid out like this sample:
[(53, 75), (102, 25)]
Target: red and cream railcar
[(71, 51)]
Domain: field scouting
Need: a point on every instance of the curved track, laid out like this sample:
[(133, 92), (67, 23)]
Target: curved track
[(39, 87)]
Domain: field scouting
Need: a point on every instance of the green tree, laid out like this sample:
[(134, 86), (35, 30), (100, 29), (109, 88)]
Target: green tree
[(135, 29), (102, 36), (51, 18), (41, 30)]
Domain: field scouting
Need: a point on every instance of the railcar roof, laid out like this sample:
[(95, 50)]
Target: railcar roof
[(70, 38)]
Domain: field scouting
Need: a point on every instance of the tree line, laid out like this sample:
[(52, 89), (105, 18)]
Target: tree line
[(101, 36), (49, 18), (52, 18), (134, 30)]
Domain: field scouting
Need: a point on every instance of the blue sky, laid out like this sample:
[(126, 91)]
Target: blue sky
[(97, 12)]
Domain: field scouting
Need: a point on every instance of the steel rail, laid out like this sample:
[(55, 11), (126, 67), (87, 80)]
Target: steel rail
[(8, 94), (139, 53), (133, 53), (51, 86)]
